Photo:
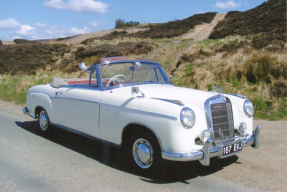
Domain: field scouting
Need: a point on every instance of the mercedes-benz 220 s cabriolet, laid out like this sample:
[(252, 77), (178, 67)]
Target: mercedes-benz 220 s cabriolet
[(133, 104)]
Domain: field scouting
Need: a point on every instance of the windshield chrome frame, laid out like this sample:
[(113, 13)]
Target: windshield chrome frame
[(99, 75)]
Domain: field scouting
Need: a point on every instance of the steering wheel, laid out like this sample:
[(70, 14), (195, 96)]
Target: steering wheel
[(112, 79)]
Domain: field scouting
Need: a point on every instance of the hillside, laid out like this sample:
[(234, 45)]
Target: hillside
[(268, 18)]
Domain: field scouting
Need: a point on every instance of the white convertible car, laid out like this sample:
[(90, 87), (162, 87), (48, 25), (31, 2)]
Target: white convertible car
[(133, 104)]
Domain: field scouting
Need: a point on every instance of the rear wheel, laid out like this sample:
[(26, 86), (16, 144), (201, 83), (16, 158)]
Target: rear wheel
[(144, 152), (44, 122)]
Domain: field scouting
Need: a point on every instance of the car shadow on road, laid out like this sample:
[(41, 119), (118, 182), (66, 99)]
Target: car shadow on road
[(170, 172)]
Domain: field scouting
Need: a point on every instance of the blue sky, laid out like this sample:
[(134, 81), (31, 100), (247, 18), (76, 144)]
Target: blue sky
[(38, 19)]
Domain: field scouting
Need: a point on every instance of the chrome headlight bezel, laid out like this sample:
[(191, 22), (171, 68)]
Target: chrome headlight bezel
[(187, 118), (248, 108)]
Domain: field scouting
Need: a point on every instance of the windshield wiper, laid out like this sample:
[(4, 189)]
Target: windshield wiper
[(146, 81)]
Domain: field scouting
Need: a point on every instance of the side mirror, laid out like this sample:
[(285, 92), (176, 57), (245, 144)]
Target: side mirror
[(83, 67), (137, 90)]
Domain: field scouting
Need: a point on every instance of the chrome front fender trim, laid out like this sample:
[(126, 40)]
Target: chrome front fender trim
[(177, 102), (207, 151)]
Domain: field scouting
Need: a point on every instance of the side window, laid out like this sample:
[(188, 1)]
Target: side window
[(94, 81)]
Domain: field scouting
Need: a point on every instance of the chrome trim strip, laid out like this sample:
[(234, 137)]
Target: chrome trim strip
[(84, 134), (145, 112), (182, 156), (75, 99), (236, 95), (177, 102), (32, 116)]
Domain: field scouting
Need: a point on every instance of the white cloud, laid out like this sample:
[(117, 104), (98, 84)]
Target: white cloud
[(9, 24), (96, 24), (41, 25), (26, 30), (227, 5), (78, 5), (76, 31)]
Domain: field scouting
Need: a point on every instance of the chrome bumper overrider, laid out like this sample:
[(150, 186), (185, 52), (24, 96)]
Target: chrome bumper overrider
[(207, 151), (25, 110)]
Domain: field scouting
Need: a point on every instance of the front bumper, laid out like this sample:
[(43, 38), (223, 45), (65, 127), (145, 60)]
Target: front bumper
[(207, 152)]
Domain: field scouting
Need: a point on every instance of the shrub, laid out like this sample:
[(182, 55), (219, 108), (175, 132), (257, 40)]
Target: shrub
[(29, 57), (279, 88), (259, 103), (105, 50), (261, 68), (22, 41), (121, 23)]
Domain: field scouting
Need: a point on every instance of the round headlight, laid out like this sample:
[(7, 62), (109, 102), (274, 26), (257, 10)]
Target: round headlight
[(206, 135), (187, 118), (242, 128), (248, 108)]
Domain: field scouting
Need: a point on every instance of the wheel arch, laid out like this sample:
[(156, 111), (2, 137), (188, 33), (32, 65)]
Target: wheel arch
[(131, 127), (38, 109)]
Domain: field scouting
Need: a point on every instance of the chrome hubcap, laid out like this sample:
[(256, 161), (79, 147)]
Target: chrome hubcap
[(143, 153), (43, 120)]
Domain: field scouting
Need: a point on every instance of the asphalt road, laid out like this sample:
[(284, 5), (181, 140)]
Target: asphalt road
[(69, 162)]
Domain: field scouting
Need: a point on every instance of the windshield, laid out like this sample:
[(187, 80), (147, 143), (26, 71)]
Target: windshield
[(137, 72)]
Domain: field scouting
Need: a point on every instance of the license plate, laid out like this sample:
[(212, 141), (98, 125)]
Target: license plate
[(232, 148)]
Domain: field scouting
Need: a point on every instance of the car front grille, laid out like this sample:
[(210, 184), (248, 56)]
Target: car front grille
[(222, 121), (220, 118)]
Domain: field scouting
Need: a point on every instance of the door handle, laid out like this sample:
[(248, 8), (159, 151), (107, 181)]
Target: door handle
[(58, 93)]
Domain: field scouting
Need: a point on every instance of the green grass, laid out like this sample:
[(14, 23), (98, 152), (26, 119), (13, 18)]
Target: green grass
[(14, 88), (207, 43)]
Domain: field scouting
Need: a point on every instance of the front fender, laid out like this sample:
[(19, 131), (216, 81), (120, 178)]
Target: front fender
[(34, 100)]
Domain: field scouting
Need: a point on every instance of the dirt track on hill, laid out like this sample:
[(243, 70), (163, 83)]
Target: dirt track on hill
[(201, 32), (78, 39), (264, 168)]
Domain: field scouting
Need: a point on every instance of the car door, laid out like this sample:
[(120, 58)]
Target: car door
[(76, 107)]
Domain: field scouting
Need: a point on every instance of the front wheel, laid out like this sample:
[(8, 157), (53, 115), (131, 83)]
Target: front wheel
[(44, 122), (144, 152)]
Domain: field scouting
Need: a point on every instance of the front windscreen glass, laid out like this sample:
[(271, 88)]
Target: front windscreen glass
[(132, 73)]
